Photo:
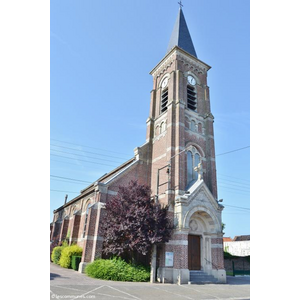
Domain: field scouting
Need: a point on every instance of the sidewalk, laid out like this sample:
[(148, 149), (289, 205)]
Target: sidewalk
[(69, 284)]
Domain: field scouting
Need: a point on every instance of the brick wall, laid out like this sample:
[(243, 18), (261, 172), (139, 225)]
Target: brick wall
[(87, 250), (240, 263), (56, 230), (65, 227), (217, 254), (76, 225), (217, 257)]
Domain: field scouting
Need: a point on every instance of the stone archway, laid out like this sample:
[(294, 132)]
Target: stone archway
[(202, 227), (209, 221)]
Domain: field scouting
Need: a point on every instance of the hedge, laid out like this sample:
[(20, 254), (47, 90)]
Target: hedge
[(56, 252), (118, 270), (67, 253)]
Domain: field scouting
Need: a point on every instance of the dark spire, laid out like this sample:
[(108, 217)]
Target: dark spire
[(181, 36)]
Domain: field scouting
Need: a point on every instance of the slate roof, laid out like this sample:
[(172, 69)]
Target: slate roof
[(91, 188), (242, 238), (181, 36)]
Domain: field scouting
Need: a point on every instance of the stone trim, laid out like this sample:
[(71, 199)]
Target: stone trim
[(197, 134), (159, 158), (178, 53), (178, 242), (216, 246), (91, 238)]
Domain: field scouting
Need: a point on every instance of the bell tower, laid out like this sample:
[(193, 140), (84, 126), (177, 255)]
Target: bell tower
[(180, 123), (181, 156)]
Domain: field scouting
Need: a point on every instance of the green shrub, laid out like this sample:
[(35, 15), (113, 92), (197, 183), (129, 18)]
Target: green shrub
[(75, 261), (118, 270), (56, 252), (67, 253)]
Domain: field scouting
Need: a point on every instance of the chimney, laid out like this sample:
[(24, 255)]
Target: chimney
[(66, 197)]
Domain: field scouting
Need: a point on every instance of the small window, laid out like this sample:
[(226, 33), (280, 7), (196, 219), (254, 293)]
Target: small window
[(162, 127), (164, 100), (191, 98), (157, 130), (187, 122), (193, 125)]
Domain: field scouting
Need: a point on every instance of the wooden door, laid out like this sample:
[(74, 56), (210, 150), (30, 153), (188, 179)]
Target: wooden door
[(194, 252)]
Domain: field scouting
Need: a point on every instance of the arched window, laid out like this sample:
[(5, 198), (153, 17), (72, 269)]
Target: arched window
[(157, 130), (72, 211), (193, 126), (162, 127), (189, 167), (193, 160), (187, 122), (200, 127), (85, 220)]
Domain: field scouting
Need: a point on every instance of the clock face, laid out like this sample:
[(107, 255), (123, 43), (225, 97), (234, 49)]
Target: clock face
[(164, 83), (191, 80)]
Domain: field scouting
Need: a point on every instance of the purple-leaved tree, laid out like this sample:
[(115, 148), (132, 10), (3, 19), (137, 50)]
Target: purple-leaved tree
[(134, 222)]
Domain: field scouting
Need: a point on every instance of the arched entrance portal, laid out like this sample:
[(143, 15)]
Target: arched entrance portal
[(201, 228)]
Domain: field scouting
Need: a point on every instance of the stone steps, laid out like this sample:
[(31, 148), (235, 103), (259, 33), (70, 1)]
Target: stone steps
[(200, 277)]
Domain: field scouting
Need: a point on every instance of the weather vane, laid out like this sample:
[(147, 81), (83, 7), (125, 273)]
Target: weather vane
[(181, 5)]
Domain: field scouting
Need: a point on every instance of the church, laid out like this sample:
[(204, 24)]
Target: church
[(177, 161)]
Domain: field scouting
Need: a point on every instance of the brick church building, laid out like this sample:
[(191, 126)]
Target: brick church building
[(177, 161)]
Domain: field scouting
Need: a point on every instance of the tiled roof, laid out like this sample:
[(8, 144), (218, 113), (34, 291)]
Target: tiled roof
[(227, 239)]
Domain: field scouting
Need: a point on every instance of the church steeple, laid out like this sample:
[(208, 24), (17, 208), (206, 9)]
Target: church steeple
[(181, 36)]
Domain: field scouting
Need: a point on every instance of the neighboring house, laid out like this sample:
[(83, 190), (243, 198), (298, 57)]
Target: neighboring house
[(239, 246), (177, 161)]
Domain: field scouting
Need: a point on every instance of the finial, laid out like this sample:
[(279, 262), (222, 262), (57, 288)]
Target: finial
[(180, 4)]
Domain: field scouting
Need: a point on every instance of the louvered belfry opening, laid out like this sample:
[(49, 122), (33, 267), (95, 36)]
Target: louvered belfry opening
[(191, 98), (164, 100)]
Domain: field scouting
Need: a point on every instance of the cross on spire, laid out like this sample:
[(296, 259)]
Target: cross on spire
[(180, 4)]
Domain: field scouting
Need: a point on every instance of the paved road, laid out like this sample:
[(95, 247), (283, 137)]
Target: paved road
[(69, 284)]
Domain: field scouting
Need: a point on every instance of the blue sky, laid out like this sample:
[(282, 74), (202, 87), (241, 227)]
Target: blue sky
[(101, 53)]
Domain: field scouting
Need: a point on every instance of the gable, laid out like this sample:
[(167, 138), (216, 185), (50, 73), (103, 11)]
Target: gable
[(199, 192)]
